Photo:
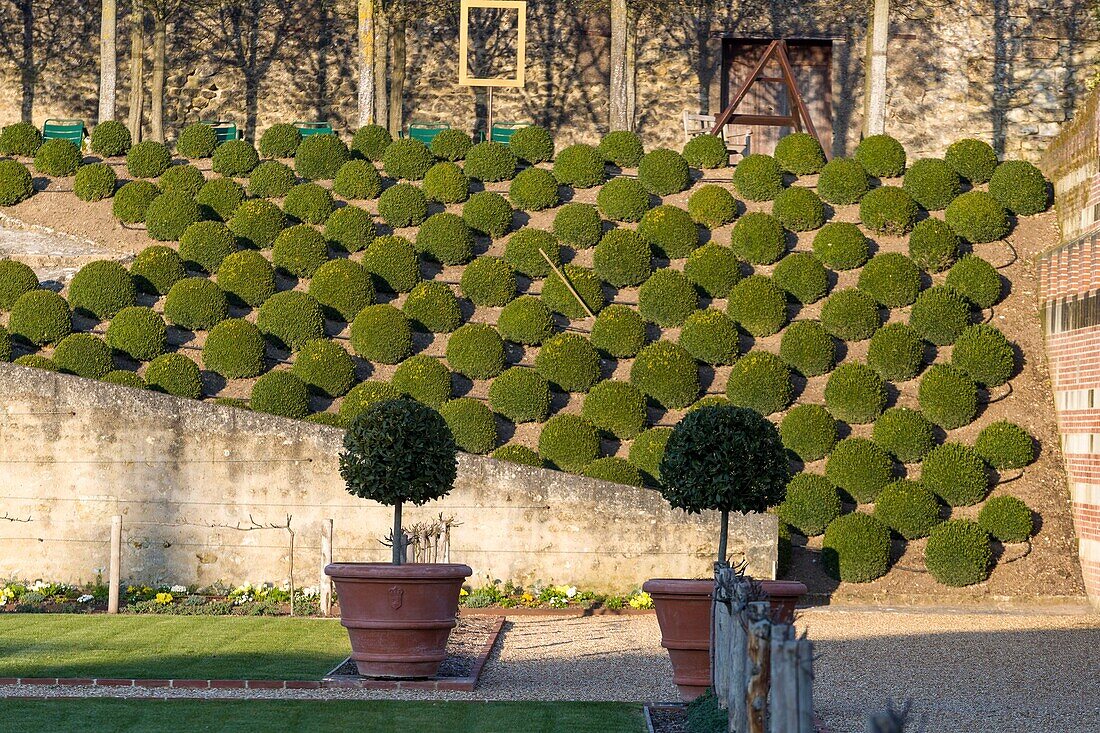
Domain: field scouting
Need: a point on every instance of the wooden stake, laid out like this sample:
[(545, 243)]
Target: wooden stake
[(568, 284), (759, 659), (115, 576), (326, 559)]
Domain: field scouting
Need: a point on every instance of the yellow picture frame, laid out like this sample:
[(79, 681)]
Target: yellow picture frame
[(464, 77)]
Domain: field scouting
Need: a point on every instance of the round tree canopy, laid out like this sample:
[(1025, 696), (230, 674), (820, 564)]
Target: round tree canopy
[(399, 451), (725, 458)]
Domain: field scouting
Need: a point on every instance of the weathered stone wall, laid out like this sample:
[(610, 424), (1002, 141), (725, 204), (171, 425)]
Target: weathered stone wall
[(183, 474)]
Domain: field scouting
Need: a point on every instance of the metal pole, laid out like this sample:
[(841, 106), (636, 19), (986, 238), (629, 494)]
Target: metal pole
[(326, 558), (116, 564)]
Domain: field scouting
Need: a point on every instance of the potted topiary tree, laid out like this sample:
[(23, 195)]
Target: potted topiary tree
[(729, 459), (398, 615)]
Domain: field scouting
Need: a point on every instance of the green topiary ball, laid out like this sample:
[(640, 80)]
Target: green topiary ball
[(101, 289), (905, 433), (956, 473), (174, 374), (84, 355), (855, 393), (586, 283), (613, 469), (1006, 518), (310, 203), (357, 180), (958, 553), (758, 177), (393, 262), (156, 269), (948, 397), (20, 139), (488, 213), (578, 225), (281, 140), (534, 189), (247, 277), (489, 281), (235, 158), (526, 320), (803, 276), (712, 206), (710, 336), (856, 548), (280, 393), (125, 379), (976, 280), (623, 199), (807, 347), (932, 183), (433, 307), (908, 508), (472, 424), (185, 179), (933, 245), (197, 140), (580, 166), (758, 305), (257, 223), (714, 269), (532, 144), (446, 238), (670, 230), (449, 145), (169, 216), (149, 159), (896, 352), (977, 217), (196, 303), (132, 201), (841, 246), (403, 205), (320, 157), (372, 141), (972, 159), (446, 183), (622, 148), (490, 162), (800, 153), (647, 451), (521, 395), (299, 251), (138, 332), (16, 183), (860, 467), (706, 151), (1005, 445), (664, 172), (762, 381), (220, 198), (667, 298), (810, 432), (984, 354), (891, 279), (16, 278), (519, 454), (424, 378), (569, 361), (343, 288), (617, 408), (37, 361), (939, 315), (1020, 187), (234, 349), (622, 258), (881, 156), (842, 181), (618, 331), (381, 333), (363, 395), (811, 504), (407, 159), (850, 315), (888, 210), (292, 318), (350, 229), (799, 209), (476, 351), (58, 158), (667, 374), (758, 238), (94, 182), (569, 442), (524, 252)]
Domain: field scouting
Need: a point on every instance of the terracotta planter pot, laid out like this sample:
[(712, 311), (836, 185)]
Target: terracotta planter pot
[(398, 617)]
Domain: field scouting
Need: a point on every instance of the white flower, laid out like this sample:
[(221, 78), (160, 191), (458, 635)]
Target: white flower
[(85, 598), (311, 592), (179, 589), (571, 591), (39, 585)]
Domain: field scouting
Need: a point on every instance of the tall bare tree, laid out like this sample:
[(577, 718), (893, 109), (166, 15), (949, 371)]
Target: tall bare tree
[(874, 96), (137, 69), (108, 59), (367, 28), (162, 12), (621, 65)]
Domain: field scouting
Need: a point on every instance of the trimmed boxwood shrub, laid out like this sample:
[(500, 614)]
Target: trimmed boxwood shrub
[(235, 158), (580, 166), (518, 454), (939, 315), (578, 225), (860, 467), (234, 349), (522, 252), (888, 210), (976, 280), (881, 156), (449, 145), (706, 151), (272, 179), (94, 182), (101, 289), (84, 355), (1020, 187), (891, 278), (622, 148), (956, 473), (908, 508), (905, 433), (803, 276), (424, 378), (357, 180), (664, 172), (800, 153), (534, 189), (667, 298), (1005, 517), (256, 223), (712, 206), (588, 285), (489, 281), (292, 318), (205, 244), (174, 374), (185, 179), (446, 183), (569, 442), (984, 354), (856, 548), (841, 246), (219, 198), (148, 159), (974, 160), (648, 449), (758, 238), (932, 183), (247, 277), (799, 209), (948, 397), (371, 141), (488, 213), (526, 320), (842, 181), (623, 199), (933, 245), (37, 361), (310, 203), (1005, 445), (169, 215), (667, 374), (521, 395), (710, 336), (810, 505), (622, 258), (57, 157), (855, 393), (714, 269), (299, 250), (446, 238), (850, 315), (393, 262), (613, 469), (476, 350), (977, 217), (758, 177), (196, 303), (21, 138), (280, 393), (433, 306), (125, 378), (670, 230), (16, 183), (617, 408), (281, 140), (350, 229), (16, 278), (407, 159), (758, 305), (320, 157), (808, 348), (532, 144), (197, 140), (570, 362), (138, 332), (896, 352), (762, 381), (618, 331), (808, 431), (382, 334), (490, 161), (472, 424), (363, 395), (958, 553), (403, 205), (156, 269)]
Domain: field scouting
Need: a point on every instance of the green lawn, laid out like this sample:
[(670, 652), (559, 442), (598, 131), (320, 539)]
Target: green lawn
[(177, 647), (376, 716)]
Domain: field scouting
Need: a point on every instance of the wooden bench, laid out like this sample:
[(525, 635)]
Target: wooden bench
[(738, 138)]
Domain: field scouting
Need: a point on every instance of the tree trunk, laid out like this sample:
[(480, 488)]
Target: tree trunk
[(724, 537), (27, 68), (398, 536), (156, 85), (397, 79), (620, 100), (381, 69), (631, 72), (366, 62), (874, 69), (108, 55), (137, 69)]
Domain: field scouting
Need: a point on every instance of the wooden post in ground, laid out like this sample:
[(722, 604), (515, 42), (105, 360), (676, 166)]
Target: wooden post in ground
[(783, 701), (115, 576), (326, 558), (759, 667)]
